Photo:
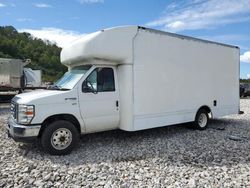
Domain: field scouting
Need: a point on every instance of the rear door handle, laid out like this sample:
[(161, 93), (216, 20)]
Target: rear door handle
[(117, 103)]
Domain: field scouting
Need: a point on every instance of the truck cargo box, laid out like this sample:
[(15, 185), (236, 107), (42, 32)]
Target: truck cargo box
[(11, 71)]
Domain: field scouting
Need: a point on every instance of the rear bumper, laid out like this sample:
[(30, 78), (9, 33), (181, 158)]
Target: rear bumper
[(22, 133)]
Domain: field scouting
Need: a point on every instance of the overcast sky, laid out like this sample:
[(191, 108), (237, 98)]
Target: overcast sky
[(63, 21)]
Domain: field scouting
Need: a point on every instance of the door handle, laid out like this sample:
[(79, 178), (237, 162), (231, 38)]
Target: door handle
[(73, 98), (117, 103)]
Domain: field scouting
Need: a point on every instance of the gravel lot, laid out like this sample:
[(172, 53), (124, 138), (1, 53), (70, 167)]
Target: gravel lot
[(175, 156)]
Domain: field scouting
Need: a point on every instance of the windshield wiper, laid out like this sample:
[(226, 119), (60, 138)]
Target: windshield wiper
[(56, 87)]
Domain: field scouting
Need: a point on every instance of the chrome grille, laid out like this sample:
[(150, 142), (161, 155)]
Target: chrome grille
[(13, 110)]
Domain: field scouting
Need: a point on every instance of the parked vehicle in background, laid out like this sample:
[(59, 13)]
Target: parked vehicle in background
[(242, 90), (14, 76), (246, 87), (130, 78)]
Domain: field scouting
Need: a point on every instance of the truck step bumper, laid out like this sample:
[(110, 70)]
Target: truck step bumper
[(22, 133)]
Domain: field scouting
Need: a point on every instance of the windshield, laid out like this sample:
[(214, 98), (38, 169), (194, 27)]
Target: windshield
[(70, 78)]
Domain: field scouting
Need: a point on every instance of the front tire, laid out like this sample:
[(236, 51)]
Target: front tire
[(201, 119), (59, 138)]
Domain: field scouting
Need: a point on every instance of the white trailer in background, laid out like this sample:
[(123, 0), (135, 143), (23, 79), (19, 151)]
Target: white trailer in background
[(14, 76), (133, 78)]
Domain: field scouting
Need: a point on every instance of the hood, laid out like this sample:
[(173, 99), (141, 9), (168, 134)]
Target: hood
[(43, 97)]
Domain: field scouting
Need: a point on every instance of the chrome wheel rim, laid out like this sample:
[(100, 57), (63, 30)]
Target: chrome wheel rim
[(61, 138), (202, 120)]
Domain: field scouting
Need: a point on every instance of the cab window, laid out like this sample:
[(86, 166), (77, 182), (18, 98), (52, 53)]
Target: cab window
[(100, 80)]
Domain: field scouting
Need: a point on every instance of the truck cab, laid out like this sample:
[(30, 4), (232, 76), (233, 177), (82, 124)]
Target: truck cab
[(86, 99)]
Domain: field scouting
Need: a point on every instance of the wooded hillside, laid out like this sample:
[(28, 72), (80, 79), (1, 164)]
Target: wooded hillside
[(44, 55)]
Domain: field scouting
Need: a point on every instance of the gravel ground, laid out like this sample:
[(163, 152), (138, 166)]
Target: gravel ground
[(174, 156)]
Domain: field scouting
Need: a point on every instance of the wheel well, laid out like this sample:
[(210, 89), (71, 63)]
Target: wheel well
[(66, 117), (209, 111)]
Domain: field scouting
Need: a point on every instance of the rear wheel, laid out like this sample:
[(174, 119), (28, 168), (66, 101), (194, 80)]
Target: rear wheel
[(59, 138), (201, 119)]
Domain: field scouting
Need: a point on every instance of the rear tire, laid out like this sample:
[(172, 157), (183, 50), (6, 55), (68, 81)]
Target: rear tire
[(201, 119), (60, 137)]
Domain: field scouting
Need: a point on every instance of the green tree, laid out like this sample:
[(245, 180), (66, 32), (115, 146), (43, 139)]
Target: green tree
[(244, 80), (44, 55)]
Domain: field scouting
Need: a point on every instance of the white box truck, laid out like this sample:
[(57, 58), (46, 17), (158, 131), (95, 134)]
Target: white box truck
[(130, 78)]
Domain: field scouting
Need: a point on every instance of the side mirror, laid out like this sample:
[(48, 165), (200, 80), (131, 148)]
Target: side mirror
[(87, 87)]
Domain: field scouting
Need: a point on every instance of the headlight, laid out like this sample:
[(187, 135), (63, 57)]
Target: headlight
[(25, 113)]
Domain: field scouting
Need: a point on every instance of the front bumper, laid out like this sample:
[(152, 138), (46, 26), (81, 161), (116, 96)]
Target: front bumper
[(22, 133)]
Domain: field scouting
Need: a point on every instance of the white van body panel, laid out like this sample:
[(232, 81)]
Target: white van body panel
[(125, 77), (174, 77), (112, 46)]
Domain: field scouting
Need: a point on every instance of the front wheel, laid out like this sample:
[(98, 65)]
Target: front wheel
[(59, 138), (201, 119)]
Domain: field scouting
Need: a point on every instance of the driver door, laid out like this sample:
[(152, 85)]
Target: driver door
[(98, 100)]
